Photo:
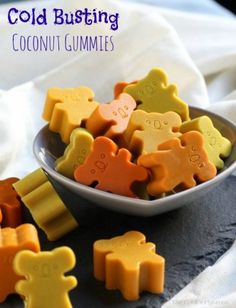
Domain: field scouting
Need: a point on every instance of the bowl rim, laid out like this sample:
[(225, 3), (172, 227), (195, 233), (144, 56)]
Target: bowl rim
[(81, 187)]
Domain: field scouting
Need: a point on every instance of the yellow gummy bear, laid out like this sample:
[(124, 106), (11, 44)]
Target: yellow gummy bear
[(67, 109), (155, 95), (79, 148), (215, 144), (45, 284), (146, 131), (130, 264)]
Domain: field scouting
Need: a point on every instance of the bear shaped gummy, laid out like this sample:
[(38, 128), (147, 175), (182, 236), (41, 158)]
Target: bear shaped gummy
[(11, 242), (129, 264), (75, 153), (180, 161), (67, 109), (45, 205), (111, 119), (154, 95), (10, 204), (146, 131), (110, 169), (45, 284), (216, 145)]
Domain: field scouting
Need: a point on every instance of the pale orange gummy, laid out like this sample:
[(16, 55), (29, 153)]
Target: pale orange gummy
[(178, 162), (11, 242), (111, 119), (129, 264)]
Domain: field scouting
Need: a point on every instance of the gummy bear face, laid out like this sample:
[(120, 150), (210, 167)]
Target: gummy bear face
[(81, 155), (44, 269), (162, 122), (212, 139), (71, 95), (195, 158), (45, 264), (100, 164), (120, 109), (100, 156)]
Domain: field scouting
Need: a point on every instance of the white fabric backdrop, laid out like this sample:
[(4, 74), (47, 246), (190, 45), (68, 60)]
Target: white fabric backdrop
[(198, 52)]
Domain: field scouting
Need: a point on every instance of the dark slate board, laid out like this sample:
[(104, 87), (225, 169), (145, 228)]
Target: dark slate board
[(190, 238)]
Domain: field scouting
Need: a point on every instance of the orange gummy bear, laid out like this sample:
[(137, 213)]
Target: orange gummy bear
[(67, 109), (11, 242), (120, 86), (129, 264), (111, 119), (110, 169), (10, 204), (180, 161)]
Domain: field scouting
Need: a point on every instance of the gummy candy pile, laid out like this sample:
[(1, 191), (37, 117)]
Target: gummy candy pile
[(143, 144)]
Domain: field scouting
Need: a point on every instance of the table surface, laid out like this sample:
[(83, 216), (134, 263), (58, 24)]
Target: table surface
[(190, 239)]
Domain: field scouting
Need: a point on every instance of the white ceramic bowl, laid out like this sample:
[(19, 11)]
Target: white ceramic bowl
[(48, 147)]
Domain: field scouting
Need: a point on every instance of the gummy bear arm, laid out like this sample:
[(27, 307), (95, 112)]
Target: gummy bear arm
[(147, 160), (22, 287), (190, 182), (170, 144), (50, 103), (227, 148), (70, 282), (124, 154)]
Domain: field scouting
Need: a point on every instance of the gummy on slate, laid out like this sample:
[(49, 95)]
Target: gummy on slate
[(10, 204), (129, 264), (11, 242), (45, 205), (44, 277)]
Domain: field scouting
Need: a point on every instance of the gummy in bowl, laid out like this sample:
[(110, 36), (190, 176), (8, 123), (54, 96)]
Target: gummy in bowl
[(48, 147)]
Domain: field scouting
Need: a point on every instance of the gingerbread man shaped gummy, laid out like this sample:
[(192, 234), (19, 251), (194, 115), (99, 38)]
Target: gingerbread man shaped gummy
[(110, 169), (180, 161)]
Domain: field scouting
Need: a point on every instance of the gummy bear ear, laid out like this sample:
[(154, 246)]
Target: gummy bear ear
[(127, 99), (206, 123), (86, 92), (158, 75), (65, 257), (193, 138), (22, 262), (173, 118), (135, 236), (54, 93), (104, 144)]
